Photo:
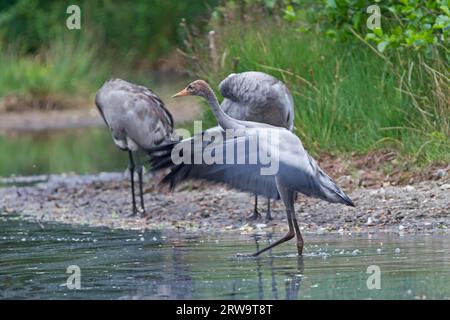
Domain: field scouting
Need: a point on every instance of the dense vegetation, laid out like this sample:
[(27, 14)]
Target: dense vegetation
[(39, 55), (355, 89)]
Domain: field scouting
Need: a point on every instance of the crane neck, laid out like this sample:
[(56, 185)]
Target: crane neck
[(224, 120)]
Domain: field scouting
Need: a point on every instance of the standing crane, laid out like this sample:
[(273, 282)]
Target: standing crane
[(297, 170), (258, 97), (137, 119)]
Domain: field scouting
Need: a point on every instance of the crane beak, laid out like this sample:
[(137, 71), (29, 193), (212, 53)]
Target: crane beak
[(182, 93)]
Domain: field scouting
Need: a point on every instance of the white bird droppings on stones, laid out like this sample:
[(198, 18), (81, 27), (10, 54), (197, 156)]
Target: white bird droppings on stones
[(445, 186)]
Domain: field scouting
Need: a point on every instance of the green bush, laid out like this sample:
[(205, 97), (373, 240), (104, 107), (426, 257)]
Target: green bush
[(420, 24), (348, 96)]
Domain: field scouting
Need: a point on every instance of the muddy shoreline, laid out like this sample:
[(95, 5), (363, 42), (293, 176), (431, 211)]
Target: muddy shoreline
[(104, 200)]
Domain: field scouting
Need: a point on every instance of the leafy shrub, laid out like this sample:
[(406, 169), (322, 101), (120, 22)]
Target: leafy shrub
[(348, 95), (406, 23)]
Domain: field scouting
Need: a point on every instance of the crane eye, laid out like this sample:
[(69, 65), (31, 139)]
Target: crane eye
[(189, 87)]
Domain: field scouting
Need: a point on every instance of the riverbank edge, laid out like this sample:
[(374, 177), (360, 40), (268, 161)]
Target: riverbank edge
[(102, 201)]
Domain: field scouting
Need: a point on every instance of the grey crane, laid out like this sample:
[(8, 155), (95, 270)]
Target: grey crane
[(137, 119), (297, 170), (258, 97)]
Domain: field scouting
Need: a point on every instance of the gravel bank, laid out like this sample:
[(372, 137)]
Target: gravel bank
[(104, 200)]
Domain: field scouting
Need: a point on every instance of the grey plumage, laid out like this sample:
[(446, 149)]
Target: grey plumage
[(298, 171), (137, 119), (135, 115), (258, 97)]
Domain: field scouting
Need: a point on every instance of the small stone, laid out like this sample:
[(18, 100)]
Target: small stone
[(345, 180), (409, 188), (441, 173), (397, 250), (445, 186), (380, 193)]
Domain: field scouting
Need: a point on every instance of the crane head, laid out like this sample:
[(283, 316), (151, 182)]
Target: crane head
[(196, 88)]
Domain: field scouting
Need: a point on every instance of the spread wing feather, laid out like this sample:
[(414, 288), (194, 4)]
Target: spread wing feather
[(296, 168)]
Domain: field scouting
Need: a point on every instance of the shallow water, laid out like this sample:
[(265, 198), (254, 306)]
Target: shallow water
[(87, 150), (117, 264)]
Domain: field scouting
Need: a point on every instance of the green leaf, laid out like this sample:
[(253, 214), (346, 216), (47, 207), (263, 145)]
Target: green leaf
[(356, 20), (331, 33), (378, 31), (382, 45), (371, 36), (331, 4), (442, 22), (270, 3), (445, 10), (289, 14)]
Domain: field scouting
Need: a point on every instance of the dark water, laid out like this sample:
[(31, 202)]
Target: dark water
[(87, 150), (84, 150), (116, 264)]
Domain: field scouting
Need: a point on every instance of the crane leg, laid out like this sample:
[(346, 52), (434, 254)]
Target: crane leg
[(288, 197), (131, 167), (256, 215), (298, 234), (141, 189), (268, 215), (287, 237)]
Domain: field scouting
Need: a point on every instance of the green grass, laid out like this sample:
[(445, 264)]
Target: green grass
[(68, 66), (39, 56), (347, 97)]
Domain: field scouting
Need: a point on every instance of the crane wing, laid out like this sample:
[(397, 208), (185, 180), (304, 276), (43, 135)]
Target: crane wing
[(256, 96), (135, 112), (295, 168), (245, 177)]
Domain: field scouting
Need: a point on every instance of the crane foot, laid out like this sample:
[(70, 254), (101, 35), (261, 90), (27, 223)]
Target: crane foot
[(255, 216)]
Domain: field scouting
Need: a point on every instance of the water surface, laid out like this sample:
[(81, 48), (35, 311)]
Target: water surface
[(117, 264), (87, 150)]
